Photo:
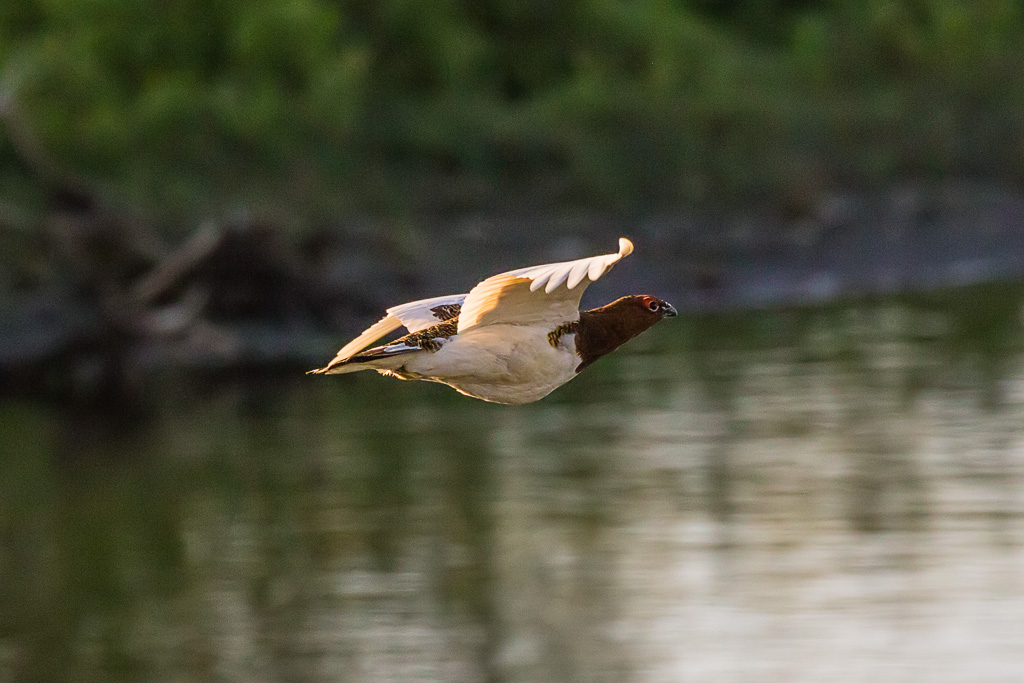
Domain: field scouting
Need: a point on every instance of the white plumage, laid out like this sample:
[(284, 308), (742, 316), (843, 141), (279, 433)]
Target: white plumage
[(513, 342)]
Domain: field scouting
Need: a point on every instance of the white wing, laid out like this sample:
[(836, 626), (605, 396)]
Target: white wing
[(419, 315), (415, 316), (514, 297)]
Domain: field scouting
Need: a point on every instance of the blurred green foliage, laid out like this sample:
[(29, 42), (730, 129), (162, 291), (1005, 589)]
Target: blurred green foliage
[(188, 108)]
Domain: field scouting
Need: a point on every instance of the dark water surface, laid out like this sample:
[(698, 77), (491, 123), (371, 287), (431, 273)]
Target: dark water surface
[(831, 494)]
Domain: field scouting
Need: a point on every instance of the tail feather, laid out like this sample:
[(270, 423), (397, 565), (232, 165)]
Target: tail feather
[(367, 360), (341, 368), (388, 351)]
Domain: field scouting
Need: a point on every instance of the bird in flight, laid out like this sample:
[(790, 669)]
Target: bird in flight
[(514, 338)]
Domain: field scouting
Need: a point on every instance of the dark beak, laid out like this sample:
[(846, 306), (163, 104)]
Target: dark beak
[(670, 310)]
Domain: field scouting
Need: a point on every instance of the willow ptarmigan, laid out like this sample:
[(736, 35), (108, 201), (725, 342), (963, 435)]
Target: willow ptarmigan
[(515, 338)]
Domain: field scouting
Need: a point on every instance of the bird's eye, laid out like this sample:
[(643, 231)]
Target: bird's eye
[(652, 305)]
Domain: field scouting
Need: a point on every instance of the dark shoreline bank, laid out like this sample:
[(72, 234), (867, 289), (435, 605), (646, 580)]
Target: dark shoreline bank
[(254, 302)]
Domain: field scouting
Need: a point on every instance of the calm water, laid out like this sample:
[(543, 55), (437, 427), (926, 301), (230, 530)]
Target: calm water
[(833, 494)]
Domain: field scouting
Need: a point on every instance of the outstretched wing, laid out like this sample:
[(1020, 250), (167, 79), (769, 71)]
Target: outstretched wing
[(415, 316), (516, 297), (419, 315)]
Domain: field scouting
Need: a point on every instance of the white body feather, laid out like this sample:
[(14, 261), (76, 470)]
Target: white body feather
[(498, 363)]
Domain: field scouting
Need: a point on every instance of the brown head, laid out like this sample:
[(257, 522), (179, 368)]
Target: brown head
[(602, 330)]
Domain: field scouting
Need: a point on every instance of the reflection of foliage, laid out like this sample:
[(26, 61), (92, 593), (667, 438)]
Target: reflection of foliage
[(906, 344), (190, 106)]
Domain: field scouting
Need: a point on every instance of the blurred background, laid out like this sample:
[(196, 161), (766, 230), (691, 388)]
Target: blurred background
[(815, 472)]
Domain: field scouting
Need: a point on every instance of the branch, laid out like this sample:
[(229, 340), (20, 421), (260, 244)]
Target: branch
[(174, 267), (41, 164)]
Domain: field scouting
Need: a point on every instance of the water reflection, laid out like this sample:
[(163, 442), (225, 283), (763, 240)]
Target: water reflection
[(828, 494)]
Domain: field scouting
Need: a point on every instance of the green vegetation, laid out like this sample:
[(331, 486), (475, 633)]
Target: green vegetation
[(320, 108)]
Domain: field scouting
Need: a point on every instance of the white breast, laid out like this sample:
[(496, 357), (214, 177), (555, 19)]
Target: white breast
[(500, 363)]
